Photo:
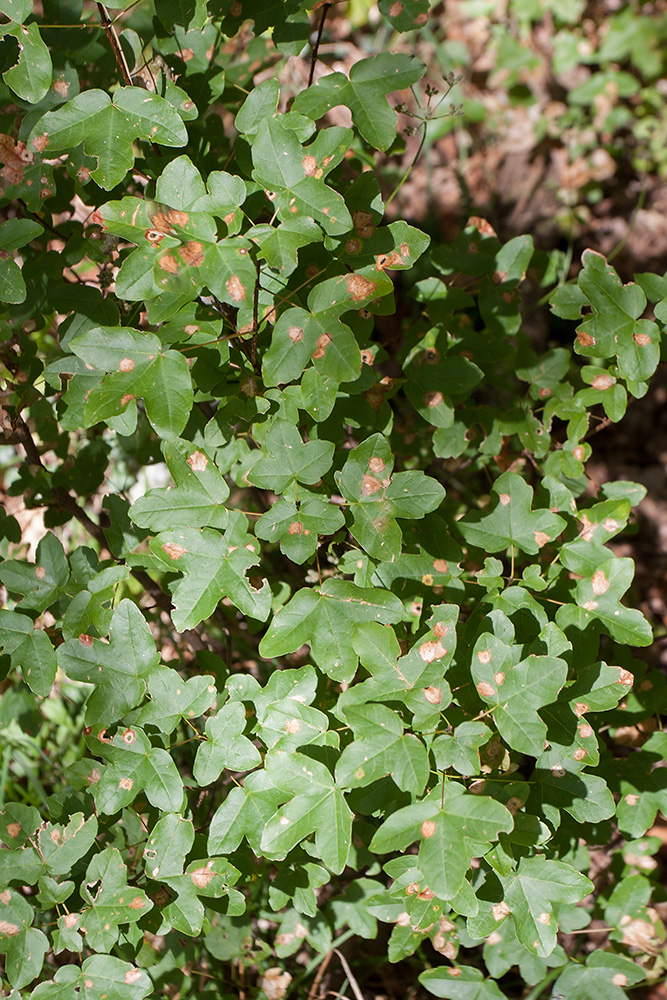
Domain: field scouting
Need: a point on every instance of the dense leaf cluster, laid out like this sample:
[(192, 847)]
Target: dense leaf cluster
[(357, 648)]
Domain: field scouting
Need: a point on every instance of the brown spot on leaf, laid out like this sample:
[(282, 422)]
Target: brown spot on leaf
[(433, 695), (197, 461), (177, 218), (641, 339), (600, 583), (173, 550), (484, 656), (499, 678), (505, 499), (440, 629), (192, 253), (132, 976), (485, 689), (363, 224), (13, 829), (625, 677), (202, 876), (161, 222), (430, 651), (137, 903), (427, 828), (376, 464), (603, 382), (235, 288), (360, 287), (370, 485), (40, 572), (585, 731), (125, 365), (541, 538), (579, 753), (295, 528), (500, 910), (126, 784), (353, 246), (309, 164), (433, 398), (322, 341), (168, 263), (127, 398), (386, 260), (129, 736), (7, 929), (295, 334), (40, 142), (274, 983)]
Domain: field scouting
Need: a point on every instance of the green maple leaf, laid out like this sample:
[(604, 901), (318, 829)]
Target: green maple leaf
[(449, 834), (412, 14), (641, 785), (615, 329), (514, 692), (600, 978), (108, 129), (167, 845), (324, 618), (30, 649), (244, 813), (213, 567), (30, 78), (318, 334), (600, 597), (289, 459), (380, 748), (137, 366), (60, 847), (173, 699), (196, 501), (14, 234), (111, 901), (288, 887), (134, 766), (461, 749), (43, 582), (377, 497), (512, 522), (295, 174), (225, 746), (529, 894), (365, 94), (433, 383), (212, 878), (297, 524), (460, 982), (101, 977), (118, 668), (24, 946), (316, 806), (416, 678)]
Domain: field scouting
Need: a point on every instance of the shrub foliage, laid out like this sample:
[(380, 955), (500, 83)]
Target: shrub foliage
[(357, 650)]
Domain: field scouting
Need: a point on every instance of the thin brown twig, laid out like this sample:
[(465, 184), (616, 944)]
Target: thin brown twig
[(348, 972), (112, 37), (316, 46), (318, 978)]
